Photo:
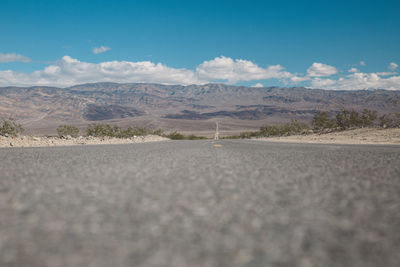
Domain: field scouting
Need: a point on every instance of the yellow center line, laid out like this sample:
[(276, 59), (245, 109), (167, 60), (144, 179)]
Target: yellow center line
[(217, 145)]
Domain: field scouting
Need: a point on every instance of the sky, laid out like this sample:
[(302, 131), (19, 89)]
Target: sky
[(338, 45)]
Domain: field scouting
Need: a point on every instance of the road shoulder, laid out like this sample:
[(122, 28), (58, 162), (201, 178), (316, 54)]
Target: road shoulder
[(34, 141), (356, 136)]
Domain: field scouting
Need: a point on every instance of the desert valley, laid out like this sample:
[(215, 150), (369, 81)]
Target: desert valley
[(187, 109)]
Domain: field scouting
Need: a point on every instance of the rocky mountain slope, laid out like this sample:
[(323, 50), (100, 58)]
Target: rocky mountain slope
[(184, 108)]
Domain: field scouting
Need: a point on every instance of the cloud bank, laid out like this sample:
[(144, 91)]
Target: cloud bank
[(359, 81), (230, 70), (12, 57), (69, 71)]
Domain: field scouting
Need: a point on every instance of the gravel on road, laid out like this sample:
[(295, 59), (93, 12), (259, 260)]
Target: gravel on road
[(200, 203)]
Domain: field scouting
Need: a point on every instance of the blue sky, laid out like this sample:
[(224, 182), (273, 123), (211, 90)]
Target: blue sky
[(293, 43)]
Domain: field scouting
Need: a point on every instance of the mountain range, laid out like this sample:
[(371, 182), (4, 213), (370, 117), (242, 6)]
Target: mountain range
[(189, 109)]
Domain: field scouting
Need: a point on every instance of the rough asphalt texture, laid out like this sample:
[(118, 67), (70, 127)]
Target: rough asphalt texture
[(191, 203)]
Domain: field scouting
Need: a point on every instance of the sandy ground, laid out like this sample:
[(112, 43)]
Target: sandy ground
[(32, 141), (357, 136)]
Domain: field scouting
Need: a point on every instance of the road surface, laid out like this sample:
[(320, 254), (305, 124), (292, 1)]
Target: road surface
[(200, 203)]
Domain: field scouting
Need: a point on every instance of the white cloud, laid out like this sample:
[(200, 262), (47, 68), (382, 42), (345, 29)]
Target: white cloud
[(321, 70), (359, 81), (386, 73), (392, 66), (257, 85), (101, 49), (298, 79), (362, 63), (354, 70), (232, 71), (69, 71), (321, 83), (12, 57)]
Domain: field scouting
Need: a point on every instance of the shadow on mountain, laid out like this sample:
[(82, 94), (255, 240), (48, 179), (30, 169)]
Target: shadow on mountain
[(257, 112), (105, 112)]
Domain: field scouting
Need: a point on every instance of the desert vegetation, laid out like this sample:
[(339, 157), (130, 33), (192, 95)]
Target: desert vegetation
[(107, 130), (346, 119), (102, 130), (294, 127), (178, 136), (343, 120), (322, 122), (9, 127), (325, 122), (67, 130), (391, 120)]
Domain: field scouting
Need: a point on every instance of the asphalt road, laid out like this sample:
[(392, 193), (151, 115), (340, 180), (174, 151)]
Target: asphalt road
[(195, 203)]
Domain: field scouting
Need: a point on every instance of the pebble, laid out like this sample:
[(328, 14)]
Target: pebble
[(34, 141)]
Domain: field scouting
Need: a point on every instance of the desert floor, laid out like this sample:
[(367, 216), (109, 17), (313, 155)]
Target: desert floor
[(357, 136)]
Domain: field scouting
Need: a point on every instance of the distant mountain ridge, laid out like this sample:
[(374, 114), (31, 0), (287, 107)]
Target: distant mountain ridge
[(178, 105)]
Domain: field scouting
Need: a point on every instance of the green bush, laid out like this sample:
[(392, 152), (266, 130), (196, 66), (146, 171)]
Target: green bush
[(178, 136), (231, 137), (158, 132), (343, 119), (246, 135), (368, 117), (294, 127), (195, 137), (175, 136), (355, 119), (64, 130), (322, 121), (132, 132), (390, 120), (102, 130), (291, 128), (348, 119), (10, 127)]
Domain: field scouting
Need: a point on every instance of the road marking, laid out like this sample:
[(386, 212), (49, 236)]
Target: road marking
[(217, 145)]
